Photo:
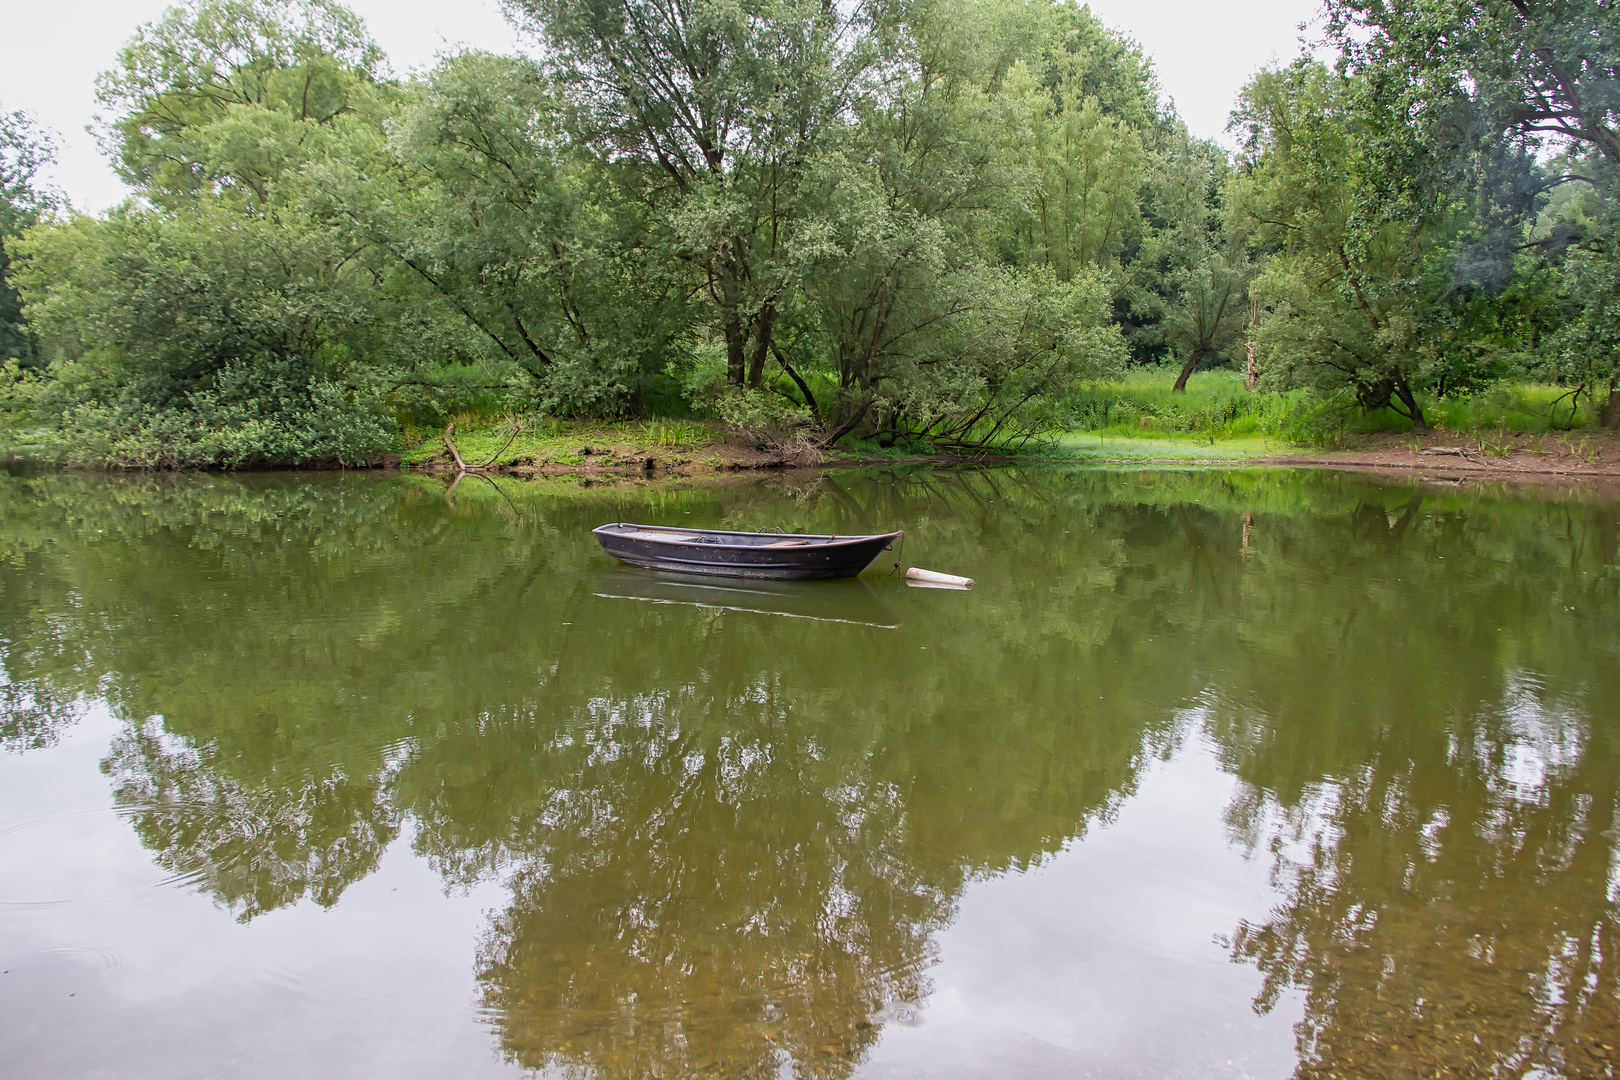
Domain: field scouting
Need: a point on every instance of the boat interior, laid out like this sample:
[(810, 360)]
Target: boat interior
[(666, 535)]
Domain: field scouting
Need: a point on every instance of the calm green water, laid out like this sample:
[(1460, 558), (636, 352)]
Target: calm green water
[(1258, 773)]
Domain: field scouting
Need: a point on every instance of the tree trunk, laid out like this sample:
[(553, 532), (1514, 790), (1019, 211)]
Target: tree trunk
[(731, 321), (1187, 369), (1611, 411), (1253, 379), (804, 387), (736, 365), (461, 466), (1413, 411), (762, 346), (848, 425)]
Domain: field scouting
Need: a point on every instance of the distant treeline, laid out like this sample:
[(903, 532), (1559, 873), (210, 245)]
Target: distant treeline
[(928, 220)]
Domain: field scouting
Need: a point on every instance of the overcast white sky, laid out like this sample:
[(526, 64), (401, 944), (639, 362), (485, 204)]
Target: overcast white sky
[(1204, 51)]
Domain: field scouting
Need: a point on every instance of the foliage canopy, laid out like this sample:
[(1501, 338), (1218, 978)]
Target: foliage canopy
[(930, 222)]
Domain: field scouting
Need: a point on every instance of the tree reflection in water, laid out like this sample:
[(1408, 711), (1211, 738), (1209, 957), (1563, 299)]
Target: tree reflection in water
[(1432, 770), (730, 840), (695, 905), (256, 847), (1451, 897)]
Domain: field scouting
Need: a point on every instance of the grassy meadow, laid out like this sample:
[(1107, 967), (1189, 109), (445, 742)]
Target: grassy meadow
[(1141, 416)]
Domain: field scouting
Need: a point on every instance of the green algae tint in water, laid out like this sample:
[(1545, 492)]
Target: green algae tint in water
[(1258, 773)]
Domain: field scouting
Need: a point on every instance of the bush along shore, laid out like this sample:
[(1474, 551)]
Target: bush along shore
[(1511, 428)]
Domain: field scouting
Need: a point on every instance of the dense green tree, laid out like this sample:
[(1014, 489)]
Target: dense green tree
[(1484, 88), (1191, 276), (201, 337), (1360, 285), (715, 109), (1549, 69), (1586, 347), (923, 221), (844, 199), (192, 95), (225, 316), (928, 252), (25, 150), (1089, 109), (492, 208)]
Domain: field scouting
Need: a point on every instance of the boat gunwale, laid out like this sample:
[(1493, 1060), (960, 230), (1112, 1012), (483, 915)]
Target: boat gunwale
[(827, 539)]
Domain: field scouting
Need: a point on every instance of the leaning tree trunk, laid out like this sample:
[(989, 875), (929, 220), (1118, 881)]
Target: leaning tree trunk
[(1187, 369), (1611, 411), (1409, 399)]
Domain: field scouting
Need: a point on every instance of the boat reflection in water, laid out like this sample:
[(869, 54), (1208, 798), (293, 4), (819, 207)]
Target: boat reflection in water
[(847, 600)]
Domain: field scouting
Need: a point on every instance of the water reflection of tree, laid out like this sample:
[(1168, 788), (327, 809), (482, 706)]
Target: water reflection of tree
[(729, 840), (1447, 917), (251, 634), (1446, 833), (697, 903), (33, 718), (255, 847), (731, 851)]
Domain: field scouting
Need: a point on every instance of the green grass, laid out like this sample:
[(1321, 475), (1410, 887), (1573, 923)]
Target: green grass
[(675, 434), (1216, 403), (1218, 408), (486, 440), (1112, 446), (1518, 407)]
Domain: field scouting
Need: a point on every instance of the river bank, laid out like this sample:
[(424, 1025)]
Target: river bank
[(689, 447)]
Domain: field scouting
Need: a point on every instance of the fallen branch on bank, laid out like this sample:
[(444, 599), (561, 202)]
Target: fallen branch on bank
[(450, 429), (462, 466)]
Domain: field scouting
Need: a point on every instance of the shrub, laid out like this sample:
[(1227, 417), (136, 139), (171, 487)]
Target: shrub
[(252, 417), (768, 421)]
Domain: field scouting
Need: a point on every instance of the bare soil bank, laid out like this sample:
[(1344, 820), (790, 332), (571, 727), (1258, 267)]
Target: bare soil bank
[(1578, 458), (608, 461), (1555, 458)]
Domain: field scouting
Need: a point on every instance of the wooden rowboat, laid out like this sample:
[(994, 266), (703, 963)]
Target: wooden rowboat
[(797, 556)]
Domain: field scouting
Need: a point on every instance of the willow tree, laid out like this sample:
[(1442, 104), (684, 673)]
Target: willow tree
[(25, 150), (1521, 79), (222, 317), (1349, 289), (1546, 71), (202, 64), (1193, 272), (711, 112), (488, 207)]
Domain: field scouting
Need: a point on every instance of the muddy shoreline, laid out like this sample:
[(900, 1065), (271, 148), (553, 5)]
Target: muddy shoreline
[(1568, 459)]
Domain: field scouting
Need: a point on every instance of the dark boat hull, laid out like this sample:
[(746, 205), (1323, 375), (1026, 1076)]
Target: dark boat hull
[(782, 557)]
